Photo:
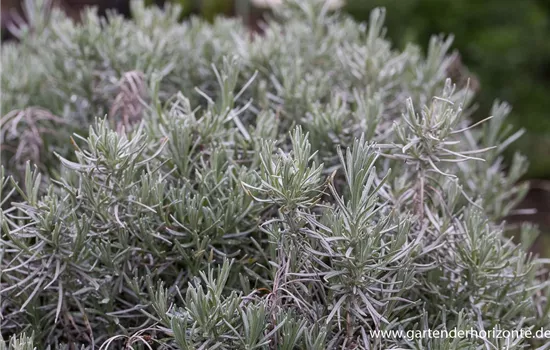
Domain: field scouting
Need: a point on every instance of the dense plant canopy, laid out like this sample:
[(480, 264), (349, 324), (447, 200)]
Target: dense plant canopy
[(294, 189)]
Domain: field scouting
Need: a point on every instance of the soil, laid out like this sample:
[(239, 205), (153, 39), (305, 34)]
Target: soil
[(538, 199)]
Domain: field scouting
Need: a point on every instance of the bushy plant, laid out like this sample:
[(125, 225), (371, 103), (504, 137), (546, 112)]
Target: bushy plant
[(296, 189)]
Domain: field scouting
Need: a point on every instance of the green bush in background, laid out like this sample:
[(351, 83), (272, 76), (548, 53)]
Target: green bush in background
[(208, 9), (503, 42)]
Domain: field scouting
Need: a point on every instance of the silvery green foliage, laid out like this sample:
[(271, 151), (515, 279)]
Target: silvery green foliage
[(21, 342), (292, 190)]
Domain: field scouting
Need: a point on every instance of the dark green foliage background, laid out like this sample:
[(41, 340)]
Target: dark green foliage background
[(503, 42), (205, 8)]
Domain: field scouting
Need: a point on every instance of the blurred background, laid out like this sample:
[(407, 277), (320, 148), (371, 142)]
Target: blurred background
[(503, 46)]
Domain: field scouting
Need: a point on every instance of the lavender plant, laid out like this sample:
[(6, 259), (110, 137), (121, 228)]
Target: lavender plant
[(212, 189)]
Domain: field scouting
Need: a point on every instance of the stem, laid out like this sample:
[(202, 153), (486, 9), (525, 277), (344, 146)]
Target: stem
[(349, 328), (419, 198)]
